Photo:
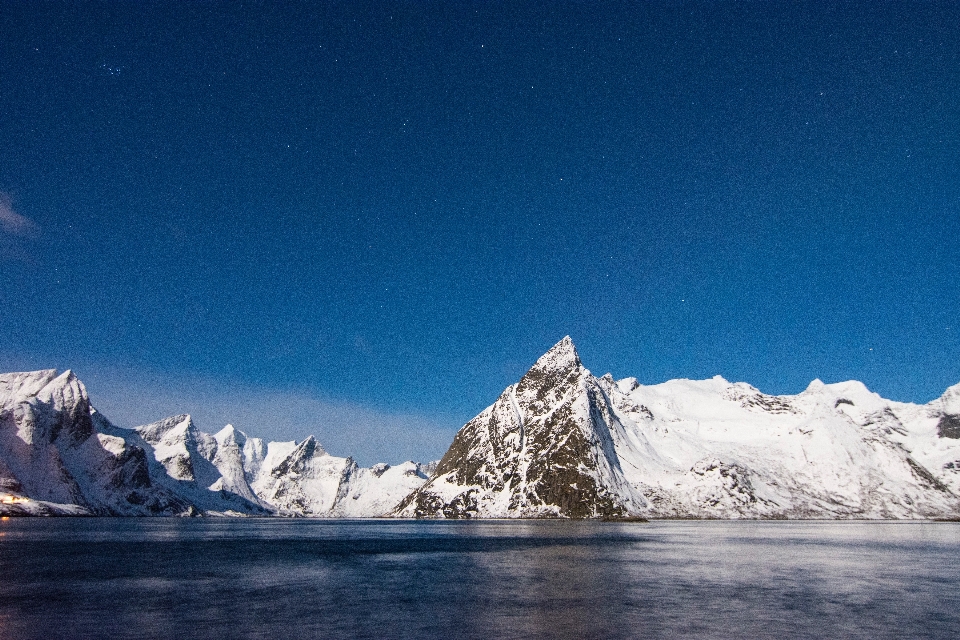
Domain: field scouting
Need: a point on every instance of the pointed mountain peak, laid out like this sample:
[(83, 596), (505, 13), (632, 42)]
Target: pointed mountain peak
[(554, 370), (65, 388), (307, 449), (562, 356), (298, 459), (230, 435)]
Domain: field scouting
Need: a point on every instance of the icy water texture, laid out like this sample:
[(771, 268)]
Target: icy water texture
[(278, 578)]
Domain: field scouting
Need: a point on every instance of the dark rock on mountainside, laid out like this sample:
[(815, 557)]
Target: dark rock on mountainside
[(949, 426), (544, 449)]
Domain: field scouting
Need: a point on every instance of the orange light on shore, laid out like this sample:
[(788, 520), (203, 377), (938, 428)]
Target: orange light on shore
[(8, 499)]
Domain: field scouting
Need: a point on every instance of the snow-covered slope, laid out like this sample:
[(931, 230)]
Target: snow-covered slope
[(563, 442), (833, 451), (59, 456)]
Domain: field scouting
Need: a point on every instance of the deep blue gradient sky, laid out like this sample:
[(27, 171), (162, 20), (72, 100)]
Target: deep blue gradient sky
[(393, 209)]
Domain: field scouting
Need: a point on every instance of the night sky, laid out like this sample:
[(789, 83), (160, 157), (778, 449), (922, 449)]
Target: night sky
[(363, 221)]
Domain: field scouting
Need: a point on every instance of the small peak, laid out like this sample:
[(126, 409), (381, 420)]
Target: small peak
[(814, 386), (952, 391), (850, 386), (160, 427), (230, 435), (308, 448), (559, 365), (950, 400)]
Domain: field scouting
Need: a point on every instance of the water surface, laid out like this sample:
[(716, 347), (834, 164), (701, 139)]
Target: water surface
[(283, 578)]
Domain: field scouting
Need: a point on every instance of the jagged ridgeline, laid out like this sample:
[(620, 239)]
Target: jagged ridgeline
[(558, 443)]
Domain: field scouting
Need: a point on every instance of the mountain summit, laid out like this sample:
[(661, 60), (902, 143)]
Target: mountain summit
[(562, 356)]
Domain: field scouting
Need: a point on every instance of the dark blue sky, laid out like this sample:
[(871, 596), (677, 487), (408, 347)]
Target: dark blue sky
[(395, 208)]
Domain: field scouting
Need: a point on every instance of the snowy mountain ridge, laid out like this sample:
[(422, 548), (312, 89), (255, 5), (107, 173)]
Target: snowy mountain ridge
[(562, 442), (59, 456)]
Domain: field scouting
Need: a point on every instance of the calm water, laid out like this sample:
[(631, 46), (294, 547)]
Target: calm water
[(172, 578)]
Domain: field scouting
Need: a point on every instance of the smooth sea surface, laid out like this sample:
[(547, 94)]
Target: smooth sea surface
[(294, 578)]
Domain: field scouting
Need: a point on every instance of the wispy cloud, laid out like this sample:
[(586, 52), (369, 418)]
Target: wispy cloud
[(16, 232), (369, 434), (14, 224)]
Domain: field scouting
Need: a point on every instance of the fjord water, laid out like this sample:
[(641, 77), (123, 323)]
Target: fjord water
[(224, 578)]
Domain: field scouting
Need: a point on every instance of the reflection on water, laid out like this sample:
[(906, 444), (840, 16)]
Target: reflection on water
[(130, 578)]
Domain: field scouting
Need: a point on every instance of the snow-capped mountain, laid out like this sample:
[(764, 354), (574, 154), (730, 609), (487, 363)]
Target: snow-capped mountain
[(58, 455), (559, 443), (545, 448), (562, 442)]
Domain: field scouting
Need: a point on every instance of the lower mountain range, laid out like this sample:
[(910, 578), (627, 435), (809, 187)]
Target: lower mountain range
[(558, 443)]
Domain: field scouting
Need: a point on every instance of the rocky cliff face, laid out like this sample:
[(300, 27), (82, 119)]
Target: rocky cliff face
[(564, 443)]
